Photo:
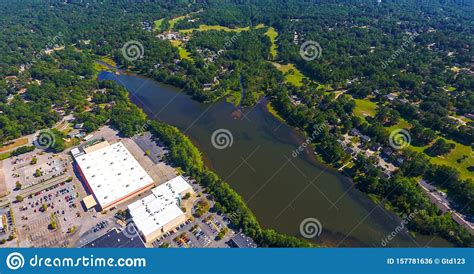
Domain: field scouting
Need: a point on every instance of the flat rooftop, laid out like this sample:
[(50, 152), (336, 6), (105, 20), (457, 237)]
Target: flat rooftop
[(158, 209), (242, 241), (112, 173), (115, 239)]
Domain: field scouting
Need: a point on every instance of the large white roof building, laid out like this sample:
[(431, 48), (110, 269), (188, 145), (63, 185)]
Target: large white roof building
[(112, 173), (160, 212)]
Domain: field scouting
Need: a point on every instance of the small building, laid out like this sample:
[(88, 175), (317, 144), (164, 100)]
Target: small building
[(365, 138), (89, 202), (355, 132), (375, 147), (242, 241), (79, 126), (350, 150), (73, 133), (88, 137), (391, 97)]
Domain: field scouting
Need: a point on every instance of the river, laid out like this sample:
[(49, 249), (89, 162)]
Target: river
[(280, 185)]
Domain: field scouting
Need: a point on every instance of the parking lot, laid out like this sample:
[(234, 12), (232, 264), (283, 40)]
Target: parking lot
[(146, 142), (197, 232), (57, 204), (33, 168)]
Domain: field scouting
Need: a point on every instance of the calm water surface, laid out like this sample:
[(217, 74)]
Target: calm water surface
[(282, 190)]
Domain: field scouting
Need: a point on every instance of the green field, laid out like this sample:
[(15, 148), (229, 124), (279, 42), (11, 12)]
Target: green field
[(183, 52), (174, 21), (272, 34), (158, 24), (451, 89), (109, 61), (98, 67), (5, 155), (220, 28), (365, 108), (451, 158), (402, 123), (292, 74)]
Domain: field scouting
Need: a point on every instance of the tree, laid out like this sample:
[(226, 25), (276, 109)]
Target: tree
[(19, 198), (387, 116), (222, 233), (71, 230), (217, 207), (38, 173), (18, 185), (33, 161), (440, 147), (53, 225)]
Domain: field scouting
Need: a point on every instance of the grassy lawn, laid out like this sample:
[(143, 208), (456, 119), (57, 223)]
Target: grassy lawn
[(402, 123), (463, 118), (207, 28), (16, 143), (4, 156), (451, 158), (292, 74), (273, 111), (174, 21), (456, 154), (364, 108), (98, 67), (234, 97), (158, 24), (183, 52), (451, 89), (272, 34), (109, 61), (222, 28)]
